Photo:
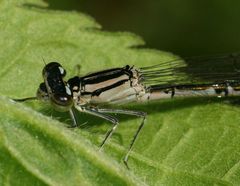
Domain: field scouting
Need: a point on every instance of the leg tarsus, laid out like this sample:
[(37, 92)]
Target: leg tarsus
[(109, 134), (126, 163), (74, 120), (133, 141)]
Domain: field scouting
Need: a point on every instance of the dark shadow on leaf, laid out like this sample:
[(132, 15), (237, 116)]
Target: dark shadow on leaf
[(89, 123), (149, 108)]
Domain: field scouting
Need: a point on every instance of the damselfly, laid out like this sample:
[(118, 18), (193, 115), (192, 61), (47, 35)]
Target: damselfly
[(212, 76)]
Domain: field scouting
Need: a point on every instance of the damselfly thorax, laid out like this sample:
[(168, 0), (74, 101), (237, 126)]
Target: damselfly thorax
[(113, 86), (126, 84)]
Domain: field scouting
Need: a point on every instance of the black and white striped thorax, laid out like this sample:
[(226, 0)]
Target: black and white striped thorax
[(117, 85)]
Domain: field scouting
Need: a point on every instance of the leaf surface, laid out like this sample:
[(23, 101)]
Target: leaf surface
[(184, 142)]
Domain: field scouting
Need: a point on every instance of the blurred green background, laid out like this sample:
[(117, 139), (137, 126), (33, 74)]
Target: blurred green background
[(186, 27)]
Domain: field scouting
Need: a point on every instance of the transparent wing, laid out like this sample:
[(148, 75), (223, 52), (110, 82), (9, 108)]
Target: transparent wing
[(205, 69)]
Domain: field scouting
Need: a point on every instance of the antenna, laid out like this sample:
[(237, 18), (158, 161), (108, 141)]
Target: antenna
[(44, 61)]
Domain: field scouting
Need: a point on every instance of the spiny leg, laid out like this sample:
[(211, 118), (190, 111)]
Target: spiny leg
[(101, 115), (74, 120), (125, 160), (127, 112)]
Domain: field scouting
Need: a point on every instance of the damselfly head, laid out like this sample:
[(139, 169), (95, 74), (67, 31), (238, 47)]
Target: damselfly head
[(54, 89)]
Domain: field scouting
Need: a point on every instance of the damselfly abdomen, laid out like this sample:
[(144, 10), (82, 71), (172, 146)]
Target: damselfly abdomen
[(129, 84)]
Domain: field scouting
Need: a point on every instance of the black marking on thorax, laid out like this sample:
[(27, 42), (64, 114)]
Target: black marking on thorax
[(101, 77), (99, 91), (105, 75)]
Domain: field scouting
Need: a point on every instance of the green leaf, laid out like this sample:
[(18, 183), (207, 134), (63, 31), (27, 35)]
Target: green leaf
[(185, 141)]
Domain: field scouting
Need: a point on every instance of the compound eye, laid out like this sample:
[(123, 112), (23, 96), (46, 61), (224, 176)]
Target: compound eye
[(62, 102), (53, 68), (42, 93)]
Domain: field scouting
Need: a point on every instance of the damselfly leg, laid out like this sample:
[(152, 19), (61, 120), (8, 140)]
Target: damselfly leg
[(74, 120), (100, 112), (128, 112), (94, 112)]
